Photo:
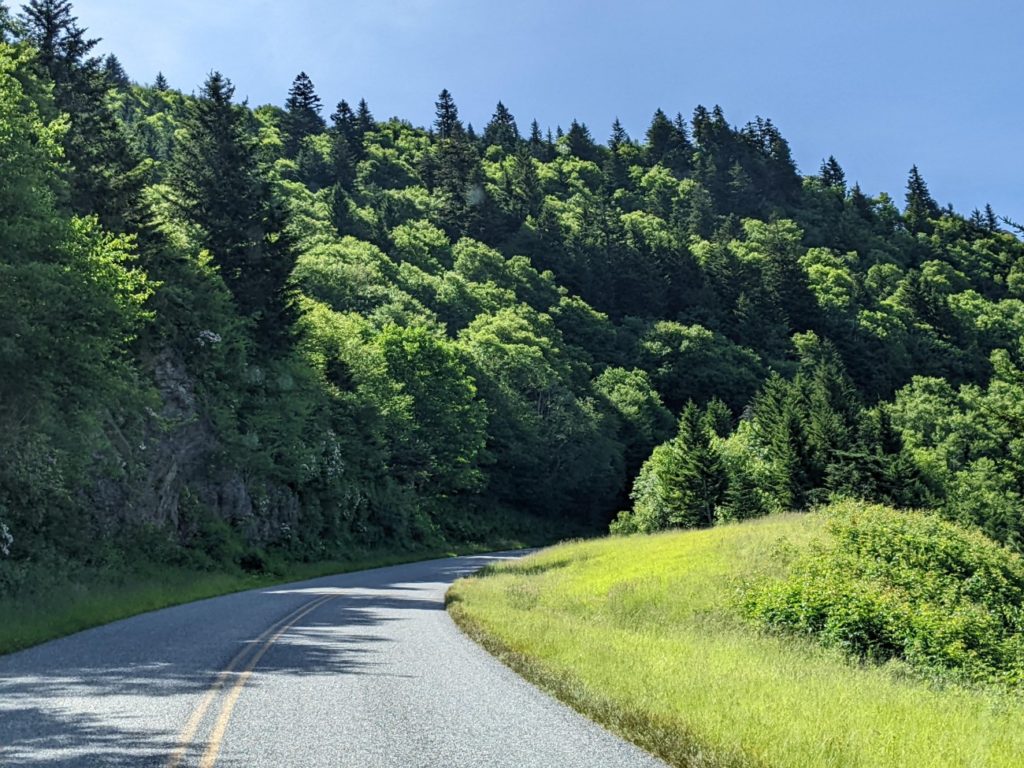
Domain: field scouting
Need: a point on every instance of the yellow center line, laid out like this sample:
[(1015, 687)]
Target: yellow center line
[(189, 731), (221, 726)]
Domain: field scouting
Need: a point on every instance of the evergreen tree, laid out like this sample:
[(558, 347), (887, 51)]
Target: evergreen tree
[(160, 84), (217, 186), (502, 130), (831, 174), (700, 479), (345, 124), (921, 207), (106, 173), (302, 114), (659, 137), (536, 142), (579, 142), (458, 178), (115, 73), (364, 118), (991, 220), (446, 122), (668, 143), (616, 166), (619, 137)]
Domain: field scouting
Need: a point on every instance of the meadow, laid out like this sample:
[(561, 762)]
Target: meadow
[(644, 634)]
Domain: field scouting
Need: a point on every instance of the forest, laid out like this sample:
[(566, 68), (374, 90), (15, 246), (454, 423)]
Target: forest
[(232, 334)]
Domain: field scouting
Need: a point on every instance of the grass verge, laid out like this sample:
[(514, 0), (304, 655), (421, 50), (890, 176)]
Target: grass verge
[(100, 597), (642, 635)]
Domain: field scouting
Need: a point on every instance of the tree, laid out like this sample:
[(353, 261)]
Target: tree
[(502, 130), (831, 174), (216, 185), (364, 119), (668, 143), (684, 482), (302, 114), (579, 142), (540, 148), (446, 121), (106, 173), (115, 73), (921, 207), (160, 83)]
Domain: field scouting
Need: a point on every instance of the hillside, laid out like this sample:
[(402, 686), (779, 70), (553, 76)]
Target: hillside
[(648, 636), (236, 338)]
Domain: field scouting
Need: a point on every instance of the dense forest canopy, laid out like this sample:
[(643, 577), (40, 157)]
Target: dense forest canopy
[(226, 331)]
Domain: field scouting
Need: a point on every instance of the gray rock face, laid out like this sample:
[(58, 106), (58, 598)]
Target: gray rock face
[(175, 458)]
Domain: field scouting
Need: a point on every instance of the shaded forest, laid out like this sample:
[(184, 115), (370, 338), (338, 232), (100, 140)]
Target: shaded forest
[(229, 334)]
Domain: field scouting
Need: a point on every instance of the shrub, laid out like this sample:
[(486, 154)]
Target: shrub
[(884, 585)]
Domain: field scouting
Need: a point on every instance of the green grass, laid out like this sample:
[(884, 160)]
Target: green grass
[(99, 597), (643, 635)]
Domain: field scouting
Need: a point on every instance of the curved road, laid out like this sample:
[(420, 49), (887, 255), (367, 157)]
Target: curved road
[(363, 670)]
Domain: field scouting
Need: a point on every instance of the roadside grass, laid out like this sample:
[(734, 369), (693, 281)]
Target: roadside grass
[(642, 635), (99, 597)]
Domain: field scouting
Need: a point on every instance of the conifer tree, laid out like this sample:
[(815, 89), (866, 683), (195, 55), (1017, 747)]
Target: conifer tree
[(579, 142), (160, 84), (115, 73), (446, 121), (659, 137), (217, 186), (920, 205), (991, 220), (364, 119), (106, 173), (831, 174), (700, 477), (302, 114), (502, 130)]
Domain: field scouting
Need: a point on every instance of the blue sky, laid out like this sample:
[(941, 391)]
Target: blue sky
[(881, 85)]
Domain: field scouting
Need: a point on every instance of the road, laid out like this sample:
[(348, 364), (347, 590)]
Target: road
[(363, 670)]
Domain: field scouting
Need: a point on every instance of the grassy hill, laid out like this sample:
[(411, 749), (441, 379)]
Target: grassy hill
[(647, 635)]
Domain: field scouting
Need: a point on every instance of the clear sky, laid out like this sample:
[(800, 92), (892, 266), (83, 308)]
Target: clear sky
[(882, 85)]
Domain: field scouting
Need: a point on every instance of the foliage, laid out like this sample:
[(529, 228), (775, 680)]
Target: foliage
[(643, 635), (330, 332), (888, 585)]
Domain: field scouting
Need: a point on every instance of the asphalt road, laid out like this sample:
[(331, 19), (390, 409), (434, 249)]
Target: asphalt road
[(363, 670)]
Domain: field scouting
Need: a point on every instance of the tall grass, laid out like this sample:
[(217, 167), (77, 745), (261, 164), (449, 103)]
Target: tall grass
[(642, 634)]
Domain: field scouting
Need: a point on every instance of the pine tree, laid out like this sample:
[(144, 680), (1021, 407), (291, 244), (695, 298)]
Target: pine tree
[(457, 175), (579, 142), (659, 137), (616, 167), (831, 174), (991, 220), (7, 24), (115, 73), (160, 84), (364, 119), (216, 185), (860, 203), (619, 137), (302, 114), (502, 130), (921, 207), (106, 172), (536, 141), (446, 122), (700, 480)]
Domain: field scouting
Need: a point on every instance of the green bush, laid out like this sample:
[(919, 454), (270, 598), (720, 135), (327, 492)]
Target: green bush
[(885, 585)]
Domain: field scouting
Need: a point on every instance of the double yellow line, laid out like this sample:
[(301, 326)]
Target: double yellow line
[(241, 666)]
